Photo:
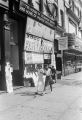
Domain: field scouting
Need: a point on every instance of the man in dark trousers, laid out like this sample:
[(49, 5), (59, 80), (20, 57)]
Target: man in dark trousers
[(53, 73)]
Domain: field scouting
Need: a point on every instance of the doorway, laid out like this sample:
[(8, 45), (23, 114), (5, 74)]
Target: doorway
[(15, 54)]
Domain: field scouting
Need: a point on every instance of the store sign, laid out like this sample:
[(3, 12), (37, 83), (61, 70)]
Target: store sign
[(32, 58), (71, 39), (47, 56), (36, 14), (32, 44), (36, 44), (62, 43), (78, 44), (37, 58), (4, 3), (36, 28), (47, 46)]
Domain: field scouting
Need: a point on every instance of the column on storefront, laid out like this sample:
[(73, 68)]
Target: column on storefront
[(2, 55)]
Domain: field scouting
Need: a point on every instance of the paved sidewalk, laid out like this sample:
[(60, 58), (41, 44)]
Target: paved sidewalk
[(74, 76), (63, 103)]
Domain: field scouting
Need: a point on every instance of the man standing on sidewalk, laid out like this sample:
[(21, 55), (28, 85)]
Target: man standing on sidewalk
[(53, 73), (48, 80)]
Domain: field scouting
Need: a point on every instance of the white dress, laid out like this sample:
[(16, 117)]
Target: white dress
[(41, 81)]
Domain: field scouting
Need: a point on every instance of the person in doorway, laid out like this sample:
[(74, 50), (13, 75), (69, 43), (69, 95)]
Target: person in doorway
[(48, 80), (53, 73)]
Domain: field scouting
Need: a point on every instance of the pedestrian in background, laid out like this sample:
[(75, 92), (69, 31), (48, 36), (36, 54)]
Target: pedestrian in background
[(48, 80), (53, 73)]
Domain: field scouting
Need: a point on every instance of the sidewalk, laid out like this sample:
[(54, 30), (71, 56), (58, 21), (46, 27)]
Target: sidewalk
[(74, 76), (63, 103)]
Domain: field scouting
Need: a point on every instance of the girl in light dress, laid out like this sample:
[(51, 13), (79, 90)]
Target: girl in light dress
[(41, 81)]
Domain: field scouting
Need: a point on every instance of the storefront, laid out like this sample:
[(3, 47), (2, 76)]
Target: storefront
[(69, 63), (12, 33), (72, 57), (38, 48), (26, 41)]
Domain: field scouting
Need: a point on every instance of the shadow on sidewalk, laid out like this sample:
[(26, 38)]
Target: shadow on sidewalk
[(26, 93)]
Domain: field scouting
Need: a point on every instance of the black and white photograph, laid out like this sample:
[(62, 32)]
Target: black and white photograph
[(40, 59)]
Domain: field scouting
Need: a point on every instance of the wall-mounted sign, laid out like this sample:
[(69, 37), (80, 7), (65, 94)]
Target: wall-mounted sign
[(36, 14), (47, 46), (32, 44), (62, 43), (71, 39), (78, 44), (4, 3), (47, 56), (35, 44), (36, 28), (32, 58)]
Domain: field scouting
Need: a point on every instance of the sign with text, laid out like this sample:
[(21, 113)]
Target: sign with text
[(35, 44), (32, 44), (71, 39), (36, 14), (32, 58), (62, 43), (36, 28)]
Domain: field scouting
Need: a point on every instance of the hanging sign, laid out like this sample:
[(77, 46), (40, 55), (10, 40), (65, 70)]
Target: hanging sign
[(62, 43)]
